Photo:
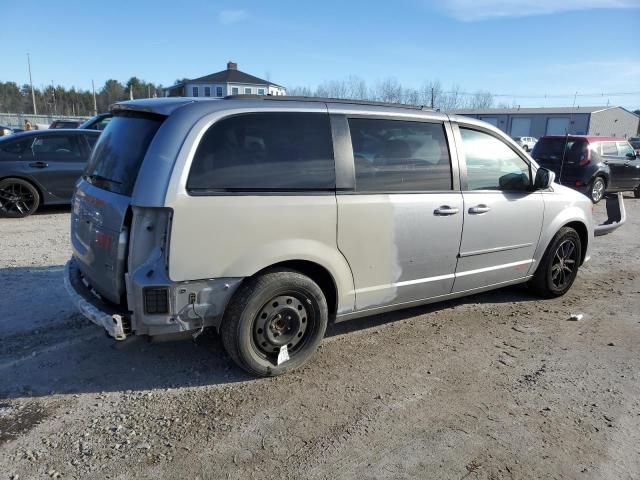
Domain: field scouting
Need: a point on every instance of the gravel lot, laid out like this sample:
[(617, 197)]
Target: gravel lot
[(499, 385)]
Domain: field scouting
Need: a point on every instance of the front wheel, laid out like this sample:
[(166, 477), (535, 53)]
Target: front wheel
[(596, 192), (274, 322), (559, 265)]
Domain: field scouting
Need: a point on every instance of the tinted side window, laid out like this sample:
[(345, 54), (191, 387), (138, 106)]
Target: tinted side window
[(16, 146), (265, 151), (492, 164), (91, 140), (609, 149), (397, 155), (57, 146)]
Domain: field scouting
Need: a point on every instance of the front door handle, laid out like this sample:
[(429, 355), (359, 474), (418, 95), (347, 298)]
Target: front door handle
[(39, 164), (446, 210), (479, 209)]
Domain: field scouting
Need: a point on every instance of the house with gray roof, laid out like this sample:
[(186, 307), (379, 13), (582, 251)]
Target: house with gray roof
[(537, 122), (226, 82)]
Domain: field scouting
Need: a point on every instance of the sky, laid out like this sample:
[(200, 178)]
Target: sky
[(520, 50)]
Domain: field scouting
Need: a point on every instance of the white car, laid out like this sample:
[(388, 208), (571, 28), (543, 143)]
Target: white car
[(527, 143)]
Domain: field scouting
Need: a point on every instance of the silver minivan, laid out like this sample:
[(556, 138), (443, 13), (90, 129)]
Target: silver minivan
[(267, 218)]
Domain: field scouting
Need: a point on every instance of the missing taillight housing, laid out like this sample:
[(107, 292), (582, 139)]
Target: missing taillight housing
[(585, 157), (156, 300)]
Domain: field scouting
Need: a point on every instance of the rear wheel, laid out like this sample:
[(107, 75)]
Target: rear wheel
[(18, 198), (559, 266), (275, 322), (636, 192), (597, 189)]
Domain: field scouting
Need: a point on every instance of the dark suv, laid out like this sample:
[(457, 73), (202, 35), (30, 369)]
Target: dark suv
[(591, 165)]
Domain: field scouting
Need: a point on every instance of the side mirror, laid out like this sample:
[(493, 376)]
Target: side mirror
[(544, 179), (631, 156)]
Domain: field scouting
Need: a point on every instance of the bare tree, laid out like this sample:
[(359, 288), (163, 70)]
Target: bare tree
[(452, 99), (388, 90), (357, 88), (481, 99)]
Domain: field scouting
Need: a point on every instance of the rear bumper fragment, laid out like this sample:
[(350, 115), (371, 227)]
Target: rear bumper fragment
[(114, 322), (616, 215)]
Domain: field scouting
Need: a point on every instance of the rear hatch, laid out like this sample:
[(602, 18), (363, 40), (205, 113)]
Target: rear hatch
[(561, 155), (99, 218)]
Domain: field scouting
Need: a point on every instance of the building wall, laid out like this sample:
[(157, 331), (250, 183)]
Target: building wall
[(614, 122), (227, 89), (578, 123), (242, 86)]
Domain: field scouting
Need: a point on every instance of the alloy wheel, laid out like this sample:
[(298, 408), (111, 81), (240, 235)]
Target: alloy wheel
[(564, 264), (597, 191), (16, 199)]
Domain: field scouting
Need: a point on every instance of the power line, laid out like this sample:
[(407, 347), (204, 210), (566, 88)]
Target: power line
[(568, 95)]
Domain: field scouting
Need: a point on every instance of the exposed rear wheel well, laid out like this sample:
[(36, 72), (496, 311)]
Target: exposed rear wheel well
[(318, 274), (583, 234)]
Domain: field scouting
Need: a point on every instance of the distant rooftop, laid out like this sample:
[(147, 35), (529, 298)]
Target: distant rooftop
[(230, 75), (543, 110)]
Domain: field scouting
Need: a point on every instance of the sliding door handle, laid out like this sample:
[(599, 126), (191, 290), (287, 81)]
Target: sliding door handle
[(479, 209), (445, 210)]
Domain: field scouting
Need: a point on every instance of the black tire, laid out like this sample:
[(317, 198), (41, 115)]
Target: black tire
[(636, 192), (525, 148), (293, 311), (18, 198), (597, 189), (559, 265)]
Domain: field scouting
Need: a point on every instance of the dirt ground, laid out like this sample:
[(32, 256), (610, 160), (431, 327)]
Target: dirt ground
[(498, 385)]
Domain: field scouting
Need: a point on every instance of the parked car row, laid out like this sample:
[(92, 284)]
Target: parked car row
[(591, 165)]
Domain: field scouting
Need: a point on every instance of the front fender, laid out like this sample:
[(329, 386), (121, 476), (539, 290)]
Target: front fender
[(562, 207)]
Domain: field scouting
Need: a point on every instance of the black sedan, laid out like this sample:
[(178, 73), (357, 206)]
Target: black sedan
[(41, 167)]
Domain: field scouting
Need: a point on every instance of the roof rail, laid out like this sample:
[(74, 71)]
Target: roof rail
[(288, 98)]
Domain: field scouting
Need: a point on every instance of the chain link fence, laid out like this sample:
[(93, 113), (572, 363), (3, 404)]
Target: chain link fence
[(16, 120)]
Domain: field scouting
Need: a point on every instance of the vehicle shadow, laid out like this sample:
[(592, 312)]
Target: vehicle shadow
[(53, 210), (47, 347)]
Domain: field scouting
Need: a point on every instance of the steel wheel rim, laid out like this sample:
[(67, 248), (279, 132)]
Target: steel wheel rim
[(564, 264), (598, 190), (286, 319), (16, 198)]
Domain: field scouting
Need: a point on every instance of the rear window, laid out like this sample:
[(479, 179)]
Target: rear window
[(119, 152), (265, 152), (16, 146), (552, 150)]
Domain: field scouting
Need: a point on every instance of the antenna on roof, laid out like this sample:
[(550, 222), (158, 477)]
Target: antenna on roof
[(566, 137)]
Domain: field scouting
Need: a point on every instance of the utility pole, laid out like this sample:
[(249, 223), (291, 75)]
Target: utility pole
[(432, 98), (95, 104), (53, 96), (33, 95)]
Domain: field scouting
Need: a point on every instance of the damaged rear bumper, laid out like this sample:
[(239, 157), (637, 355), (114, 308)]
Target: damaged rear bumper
[(115, 323), (191, 305), (616, 215)]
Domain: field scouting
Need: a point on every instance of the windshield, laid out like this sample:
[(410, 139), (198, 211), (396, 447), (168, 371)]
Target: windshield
[(117, 156)]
